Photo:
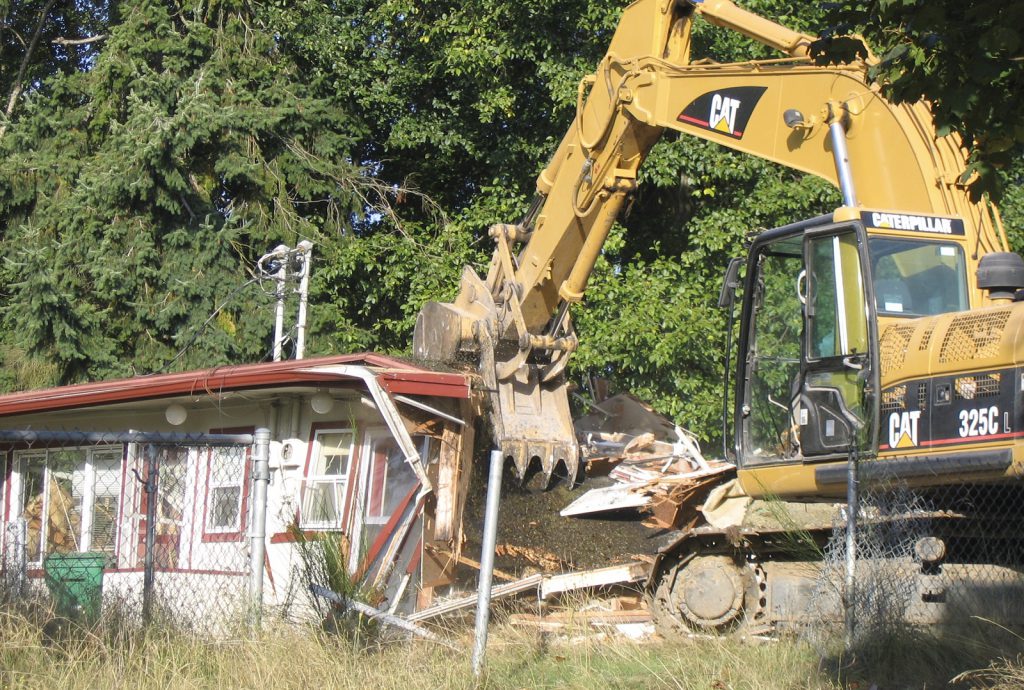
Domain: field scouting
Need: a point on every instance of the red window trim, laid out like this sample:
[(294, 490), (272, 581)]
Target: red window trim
[(243, 512), (353, 468), (8, 471)]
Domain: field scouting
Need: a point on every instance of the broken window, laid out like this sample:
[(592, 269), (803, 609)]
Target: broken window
[(323, 503), (69, 499), (390, 478)]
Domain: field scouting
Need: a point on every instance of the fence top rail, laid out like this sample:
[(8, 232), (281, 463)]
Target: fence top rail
[(159, 438)]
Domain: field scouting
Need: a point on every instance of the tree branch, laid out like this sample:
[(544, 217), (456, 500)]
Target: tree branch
[(18, 81), (61, 41)]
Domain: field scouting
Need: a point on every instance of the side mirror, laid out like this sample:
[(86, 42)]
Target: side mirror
[(731, 282)]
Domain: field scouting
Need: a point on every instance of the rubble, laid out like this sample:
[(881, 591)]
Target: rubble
[(656, 466)]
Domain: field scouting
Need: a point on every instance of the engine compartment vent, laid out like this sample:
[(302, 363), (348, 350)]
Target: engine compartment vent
[(893, 347), (973, 336)]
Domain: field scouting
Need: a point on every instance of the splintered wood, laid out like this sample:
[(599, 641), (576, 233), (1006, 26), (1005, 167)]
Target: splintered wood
[(545, 561), (655, 466)]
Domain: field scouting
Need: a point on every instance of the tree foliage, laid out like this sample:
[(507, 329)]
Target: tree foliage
[(963, 57), (135, 192), (142, 176)]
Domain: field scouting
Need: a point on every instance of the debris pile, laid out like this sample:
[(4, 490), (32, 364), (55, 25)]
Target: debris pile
[(653, 465)]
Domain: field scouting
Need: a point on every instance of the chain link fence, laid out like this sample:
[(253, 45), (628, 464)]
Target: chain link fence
[(141, 527), (949, 557)]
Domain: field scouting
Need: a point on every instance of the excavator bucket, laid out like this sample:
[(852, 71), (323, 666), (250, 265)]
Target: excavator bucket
[(534, 426), (530, 417)]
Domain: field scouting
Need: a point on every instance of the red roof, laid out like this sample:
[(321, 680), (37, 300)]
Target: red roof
[(394, 375)]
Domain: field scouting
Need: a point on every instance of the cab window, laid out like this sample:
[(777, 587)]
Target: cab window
[(917, 278)]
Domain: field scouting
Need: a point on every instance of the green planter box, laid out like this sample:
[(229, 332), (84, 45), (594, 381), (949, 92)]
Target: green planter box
[(76, 582)]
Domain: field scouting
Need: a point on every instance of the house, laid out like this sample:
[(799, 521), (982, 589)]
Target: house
[(157, 477)]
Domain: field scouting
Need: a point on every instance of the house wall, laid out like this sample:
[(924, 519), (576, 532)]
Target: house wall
[(382, 518)]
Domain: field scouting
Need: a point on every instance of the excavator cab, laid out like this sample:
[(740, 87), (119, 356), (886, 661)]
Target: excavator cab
[(807, 378)]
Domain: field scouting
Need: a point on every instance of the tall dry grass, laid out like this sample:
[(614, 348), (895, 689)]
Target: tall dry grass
[(288, 656), (295, 657)]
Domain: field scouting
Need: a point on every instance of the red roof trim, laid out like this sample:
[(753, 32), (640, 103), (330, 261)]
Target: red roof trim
[(427, 383), (230, 378)]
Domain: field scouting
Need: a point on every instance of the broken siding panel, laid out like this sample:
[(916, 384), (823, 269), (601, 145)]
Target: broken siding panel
[(443, 527)]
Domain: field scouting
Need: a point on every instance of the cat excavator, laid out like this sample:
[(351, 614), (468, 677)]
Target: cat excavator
[(887, 329)]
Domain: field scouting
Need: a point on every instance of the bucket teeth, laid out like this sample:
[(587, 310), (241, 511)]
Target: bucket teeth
[(556, 460)]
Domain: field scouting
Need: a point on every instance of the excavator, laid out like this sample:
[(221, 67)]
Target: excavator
[(886, 329)]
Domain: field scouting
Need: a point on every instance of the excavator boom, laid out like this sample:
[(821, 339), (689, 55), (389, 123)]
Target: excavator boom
[(515, 325)]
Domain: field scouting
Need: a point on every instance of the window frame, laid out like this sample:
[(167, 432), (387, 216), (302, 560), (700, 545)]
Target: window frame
[(236, 532), (343, 482), (16, 487), (423, 443)]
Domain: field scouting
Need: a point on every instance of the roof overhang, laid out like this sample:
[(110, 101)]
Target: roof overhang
[(394, 375)]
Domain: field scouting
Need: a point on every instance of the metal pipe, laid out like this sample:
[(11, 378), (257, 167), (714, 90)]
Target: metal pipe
[(21, 555), (148, 576), (852, 510), (490, 538), (837, 135), (258, 532), (281, 276), (305, 250), (293, 426)]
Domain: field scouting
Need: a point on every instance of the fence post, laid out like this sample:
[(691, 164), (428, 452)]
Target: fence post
[(150, 487), (490, 538), (852, 511), (258, 533)]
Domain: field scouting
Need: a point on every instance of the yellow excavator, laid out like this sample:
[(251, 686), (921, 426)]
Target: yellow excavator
[(886, 328)]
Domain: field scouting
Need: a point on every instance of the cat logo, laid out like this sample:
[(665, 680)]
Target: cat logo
[(726, 111), (723, 114), (903, 429)]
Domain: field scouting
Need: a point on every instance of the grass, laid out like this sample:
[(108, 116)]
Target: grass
[(295, 657)]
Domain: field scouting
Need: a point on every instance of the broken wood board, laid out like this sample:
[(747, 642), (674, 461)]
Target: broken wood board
[(545, 585), (545, 560), (617, 497), (561, 619), (468, 601), (600, 577)]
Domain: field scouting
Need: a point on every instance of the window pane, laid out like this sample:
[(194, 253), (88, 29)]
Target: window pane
[(916, 277), (66, 485), (838, 325), (775, 366), (322, 503), (171, 490), (107, 493), (225, 506), (227, 465), (335, 451), (33, 470)]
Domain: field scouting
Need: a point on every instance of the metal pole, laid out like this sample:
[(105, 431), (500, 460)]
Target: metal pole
[(258, 533), (483, 602), (837, 135), (148, 579), (852, 511), (306, 252), (21, 554), (281, 252)]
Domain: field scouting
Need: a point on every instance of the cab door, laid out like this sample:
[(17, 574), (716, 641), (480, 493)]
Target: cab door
[(808, 379), (837, 410)]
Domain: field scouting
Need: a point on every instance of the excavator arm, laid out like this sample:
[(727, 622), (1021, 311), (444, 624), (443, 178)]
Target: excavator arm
[(827, 121)]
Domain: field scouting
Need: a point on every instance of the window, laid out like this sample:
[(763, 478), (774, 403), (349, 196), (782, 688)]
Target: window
[(775, 350), (323, 504), (390, 477), (69, 499), (917, 278), (836, 313), (225, 497)]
